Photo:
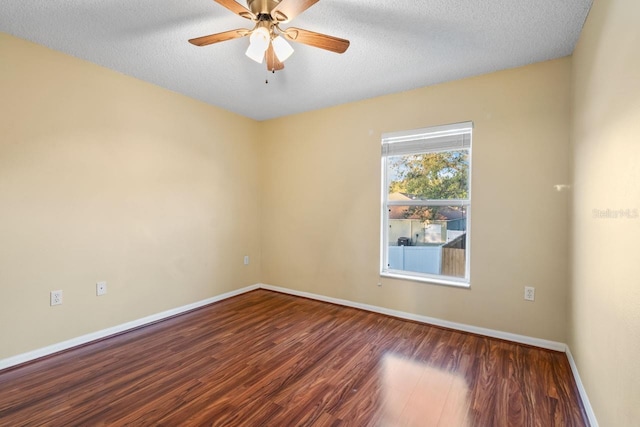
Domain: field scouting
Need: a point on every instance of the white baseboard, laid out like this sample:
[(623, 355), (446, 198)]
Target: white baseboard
[(84, 339), (583, 393), (522, 339)]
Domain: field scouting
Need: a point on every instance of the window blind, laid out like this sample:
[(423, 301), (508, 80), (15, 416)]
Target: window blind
[(427, 140)]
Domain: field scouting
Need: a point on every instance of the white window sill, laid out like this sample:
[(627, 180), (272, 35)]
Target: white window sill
[(426, 278)]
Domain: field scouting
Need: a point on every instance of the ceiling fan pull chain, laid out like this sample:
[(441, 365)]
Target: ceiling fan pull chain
[(273, 71), (266, 80)]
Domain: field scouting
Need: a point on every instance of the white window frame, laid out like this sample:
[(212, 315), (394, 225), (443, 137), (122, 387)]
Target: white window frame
[(427, 140)]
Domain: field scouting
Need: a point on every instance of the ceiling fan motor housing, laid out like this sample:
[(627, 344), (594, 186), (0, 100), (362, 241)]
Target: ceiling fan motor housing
[(262, 7)]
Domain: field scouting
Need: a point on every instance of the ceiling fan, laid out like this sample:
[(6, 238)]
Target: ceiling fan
[(267, 38)]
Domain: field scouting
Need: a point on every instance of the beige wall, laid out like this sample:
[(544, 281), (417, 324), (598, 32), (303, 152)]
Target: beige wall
[(604, 312), (104, 177), (321, 199)]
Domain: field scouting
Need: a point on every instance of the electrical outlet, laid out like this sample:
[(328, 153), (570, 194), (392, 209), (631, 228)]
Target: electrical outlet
[(101, 288), (56, 297), (246, 260), (529, 293)]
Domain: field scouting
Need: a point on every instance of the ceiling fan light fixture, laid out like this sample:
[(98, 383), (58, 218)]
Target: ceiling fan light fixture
[(282, 49), (258, 44), (254, 52)]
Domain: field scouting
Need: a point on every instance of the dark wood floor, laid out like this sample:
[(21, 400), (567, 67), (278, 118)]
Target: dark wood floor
[(268, 359)]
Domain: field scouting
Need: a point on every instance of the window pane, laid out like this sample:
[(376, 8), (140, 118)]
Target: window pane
[(429, 176), (428, 239)]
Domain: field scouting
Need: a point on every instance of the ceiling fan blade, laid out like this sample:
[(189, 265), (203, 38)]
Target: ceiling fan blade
[(236, 8), (273, 63), (286, 10), (323, 41), (220, 37)]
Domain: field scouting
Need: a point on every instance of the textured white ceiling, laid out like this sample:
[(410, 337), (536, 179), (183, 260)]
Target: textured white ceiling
[(396, 45)]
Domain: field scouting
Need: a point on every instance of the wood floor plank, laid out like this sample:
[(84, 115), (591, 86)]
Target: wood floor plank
[(269, 359)]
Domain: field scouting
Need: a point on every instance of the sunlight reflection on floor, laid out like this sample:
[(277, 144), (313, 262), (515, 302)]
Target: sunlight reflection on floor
[(415, 394)]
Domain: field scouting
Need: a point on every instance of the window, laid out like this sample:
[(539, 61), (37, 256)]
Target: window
[(426, 204)]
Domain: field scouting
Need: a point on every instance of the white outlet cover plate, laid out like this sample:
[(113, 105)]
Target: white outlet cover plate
[(56, 297), (529, 293)]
